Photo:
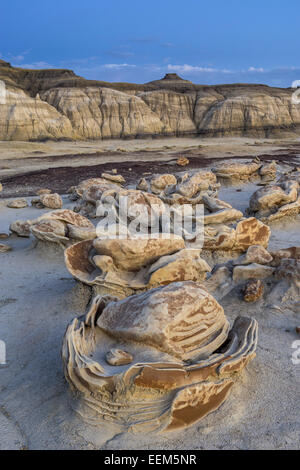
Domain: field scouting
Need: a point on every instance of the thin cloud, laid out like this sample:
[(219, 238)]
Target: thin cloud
[(186, 68)]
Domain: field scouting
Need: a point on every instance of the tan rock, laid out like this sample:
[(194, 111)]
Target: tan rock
[(52, 201), (253, 290), (269, 198), (252, 271), (117, 357), (237, 170), (157, 322), (255, 254), (17, 204), (21, 228), (1, 187), (49, 230), (184, 265), (159, 183), (119, 179), (182, 161), (168, 326), (4, 248), (133, 254), (251, 232)]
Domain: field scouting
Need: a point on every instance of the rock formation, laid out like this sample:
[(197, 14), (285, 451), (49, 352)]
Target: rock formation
[(236, 171), (57, 104), (157, 361), (123, 267), (273, 202), (62, 226)]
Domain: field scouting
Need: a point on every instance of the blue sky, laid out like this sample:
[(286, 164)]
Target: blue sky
[(204, 41)]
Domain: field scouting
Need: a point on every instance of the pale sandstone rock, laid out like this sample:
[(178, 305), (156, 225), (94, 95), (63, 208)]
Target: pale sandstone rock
[(59, 226), (268, 198), (1, 187), (24, 118), (159, 183), (178, 329), (247, 232), (288, 210), (4, 248), (252, 271), (237, 170), (133, 254), (17, 204), (127, 266), (117, 357), (49, 230), (21, 228), (255, 254), (52, 201), (119, 179)]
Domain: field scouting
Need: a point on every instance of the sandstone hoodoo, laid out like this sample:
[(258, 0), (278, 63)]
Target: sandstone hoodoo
[(159, 361), (57, 104)]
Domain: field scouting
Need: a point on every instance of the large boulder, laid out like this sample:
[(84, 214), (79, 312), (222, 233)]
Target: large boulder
[(168, 351)]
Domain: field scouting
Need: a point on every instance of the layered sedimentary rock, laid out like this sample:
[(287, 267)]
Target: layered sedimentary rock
[(57, 104), (158, 361), (275, 202), (62, 226), (124, 266)]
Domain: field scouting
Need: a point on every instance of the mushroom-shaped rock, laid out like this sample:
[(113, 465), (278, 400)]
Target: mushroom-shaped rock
[(126, 266), (184, 358)]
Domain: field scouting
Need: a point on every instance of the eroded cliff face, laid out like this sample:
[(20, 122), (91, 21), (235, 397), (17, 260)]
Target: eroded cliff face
[(26, 118), (57, 104)]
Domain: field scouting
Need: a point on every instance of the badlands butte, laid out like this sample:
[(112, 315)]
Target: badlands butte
[(59, 105)]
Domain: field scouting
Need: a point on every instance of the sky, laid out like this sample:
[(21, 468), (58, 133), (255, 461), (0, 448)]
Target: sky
[(207, 42)]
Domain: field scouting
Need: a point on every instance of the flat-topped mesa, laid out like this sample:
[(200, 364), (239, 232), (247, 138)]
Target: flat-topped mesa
[(157, 361)]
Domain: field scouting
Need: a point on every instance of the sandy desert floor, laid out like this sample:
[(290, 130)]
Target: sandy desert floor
[(38, 298)]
